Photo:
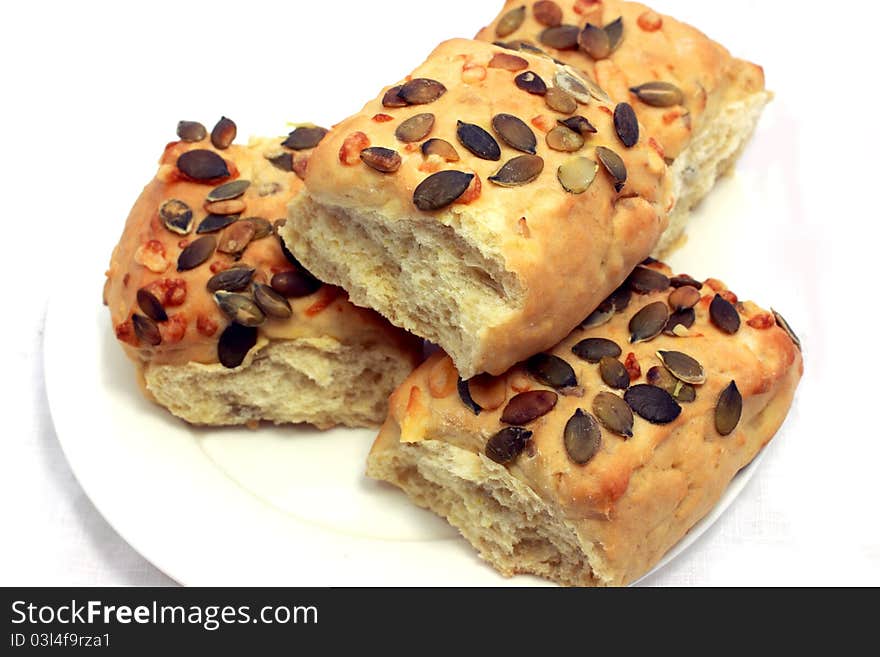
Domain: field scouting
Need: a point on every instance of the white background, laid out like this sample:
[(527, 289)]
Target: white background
[(92, 91)]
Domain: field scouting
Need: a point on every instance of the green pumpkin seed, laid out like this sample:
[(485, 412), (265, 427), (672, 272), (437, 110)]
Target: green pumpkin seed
[(146, 330), (560, 37), (683, 367), (614, 414), (421, 91), (383, 160), (573, 84), (529, 406), (551, 371), (228, 191), (507, 444), (191, 131), (415, 128), (724, 315), (644, 280), (626, 125), (593, 350), (520, 170), (176, 216), (515, 133), (728, 410), (614, 165), (577, 174), (613, 373), (200, 164), (271, 303), (784, 325), (649, 322), (563, 139), (151, 306), (235, 343), (239, 308), (614, 30), (464, 393), (478, 141), (653, 404), (197, 252), (441, 148), (531, 82), (659, 94), (214, 222), (234, 279), (304, 138), (594, 41), (663, 378), (223, 133), (510, 22), (580, 125), (582, 437), (440, 189)]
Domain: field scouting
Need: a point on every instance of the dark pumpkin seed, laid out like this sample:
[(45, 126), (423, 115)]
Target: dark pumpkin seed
[(683, 279), (239, 308), (223, 133), (682, 298), (234, 279), (594, 41), (421, 91), (282, 160), (440, 189), (464, 393), (652, 403), (547, 13), (214, 222), (441, 148), (191, 131), (551, 371), (728, 410), (659, 94), (614, 30), (415, 128), (614, 414), (508, 62), (685, 318), (785, 326), (593, 350), (531, 82), (295, 283), (520, 170), (510, 22), (262, 227), (235, 237), (626, 125), (723, 315), (271, 302), (146, 330), (649, 322), (392, 98), (478, 141), (529, 406), (151, 306), (683, 367), (582, 437), (620, 298), (644, 280), (515, 133), (560, 37), (176, 216), (197, 252), (613, 373), (381, 159), (580, 125), (228, 191), (235, 343), (304, 138), (200, 164), (662, 378), (507, 444), (614, 165), (602, 315), (577, 174), (564, 139)]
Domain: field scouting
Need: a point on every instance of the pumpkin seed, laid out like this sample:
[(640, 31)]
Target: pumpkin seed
[(234, 279), (442, 148), (644, 280), (620, 298), (223, 133), (421, 91), (478, 141), (415, 128), (659, 94), (652, 403), (520, 170), (683, 279), (381, 159), (392, 98), (146, 330), (602, 315), (685, 318), (271, 303), (440, 189), (239, 308), (684, 393), (560, 37), (682, 298), (295, 283), (662, 378), (304, 138), (262, 227), (196, 253), (551, 371), (593, 350), (235, 343), (176, 216), (531, 82), (614, 30), (547, 13), (282, 160), (214, 222), (574, 85), (151, 306), (579, 124), (510, 22), (649, 322), (614, 165), (191, 131), (613, 373), (723, 315), (529, 406), (784, 325), (728, 410), (228, 191), (614, 414), (507, 444), (626, 125), (200, 164), (564, 139), (508, 62), (594, 41), (683, 367), (577, 174), (235, 237), (582, 437), (515, 133), (464, 393)]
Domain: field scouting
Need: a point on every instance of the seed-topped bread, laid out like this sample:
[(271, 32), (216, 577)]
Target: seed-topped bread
[(226, 327), (697, 102), (586, 463), (486, 203)]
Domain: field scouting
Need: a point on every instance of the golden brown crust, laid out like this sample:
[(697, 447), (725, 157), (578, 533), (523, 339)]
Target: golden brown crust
[(636, 497), (654, 47)]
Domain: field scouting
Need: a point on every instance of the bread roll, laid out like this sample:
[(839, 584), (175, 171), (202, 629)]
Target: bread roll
[(587, 463), (702, 116)]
